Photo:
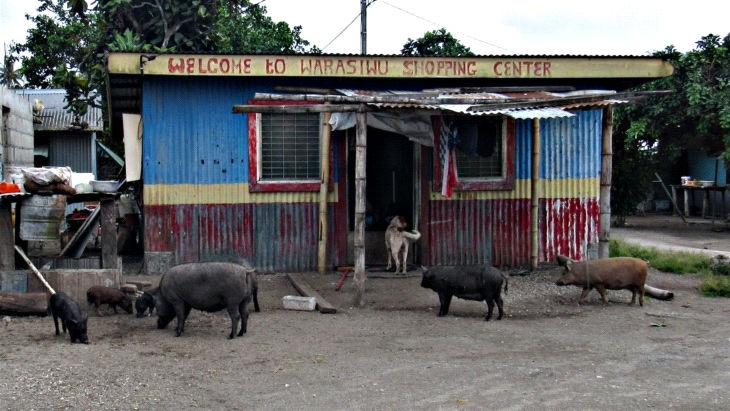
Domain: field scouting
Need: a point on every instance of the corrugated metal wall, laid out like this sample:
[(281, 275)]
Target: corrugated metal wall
[(71, 149), (196, 195), (494, 226), (197, 201)]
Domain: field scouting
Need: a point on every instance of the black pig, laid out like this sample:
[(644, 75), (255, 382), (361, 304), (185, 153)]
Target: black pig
[(68, 310), (146, 301), (208, 287), (474, 282)]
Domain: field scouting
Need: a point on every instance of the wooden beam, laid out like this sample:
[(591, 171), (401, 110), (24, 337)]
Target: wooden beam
[(535, 196), (324, 161), (109, 255), (24, 303), (35, 270), (7, 254), (606, 171), (303, 288), (298, 109), (360, 179)]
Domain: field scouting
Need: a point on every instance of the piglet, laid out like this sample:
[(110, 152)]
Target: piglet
[(146, 302), (72, 318), (620, 273), (98, 295)]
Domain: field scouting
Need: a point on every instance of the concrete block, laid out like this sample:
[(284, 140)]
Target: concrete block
[(292, 302), (158, 262)]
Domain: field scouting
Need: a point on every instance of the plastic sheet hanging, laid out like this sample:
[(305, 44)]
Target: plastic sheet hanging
[(415, 126)]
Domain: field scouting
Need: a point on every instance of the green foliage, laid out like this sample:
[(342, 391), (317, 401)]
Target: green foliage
[(716, 286), (670, 262), (652, 136), (439, 43), (66, 44), (9, 76)]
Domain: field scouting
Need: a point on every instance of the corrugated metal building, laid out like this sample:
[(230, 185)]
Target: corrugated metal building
[(61, 140), (204, 194)]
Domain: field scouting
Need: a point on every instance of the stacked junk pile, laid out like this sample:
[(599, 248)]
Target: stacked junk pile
[(66, 228)]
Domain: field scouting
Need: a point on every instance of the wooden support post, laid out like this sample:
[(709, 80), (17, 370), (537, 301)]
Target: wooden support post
[(35, 270), (7, 254), (535, 196), (109, 257), (604, 234), (324, 161), (360, 179)]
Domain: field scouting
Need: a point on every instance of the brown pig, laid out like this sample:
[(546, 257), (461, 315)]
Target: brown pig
[(97, 295), (620, 273)]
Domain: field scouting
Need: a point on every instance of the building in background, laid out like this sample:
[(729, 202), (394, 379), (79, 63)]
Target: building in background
[(62, 140)]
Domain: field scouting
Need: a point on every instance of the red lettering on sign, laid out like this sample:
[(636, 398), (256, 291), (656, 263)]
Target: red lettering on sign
[(225, 65), (471, 68), (191, 65), (236, 66), (214, 62), (201, 68), (247, 66), (516, 68), (175, 65)]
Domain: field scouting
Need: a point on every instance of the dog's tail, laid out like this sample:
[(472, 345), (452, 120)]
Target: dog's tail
[(414, 236)]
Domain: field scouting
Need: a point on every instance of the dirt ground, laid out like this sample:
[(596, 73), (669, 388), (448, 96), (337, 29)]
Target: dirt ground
[(393, 354)]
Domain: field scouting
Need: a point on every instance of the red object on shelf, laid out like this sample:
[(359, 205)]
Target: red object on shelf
[(9, 188)]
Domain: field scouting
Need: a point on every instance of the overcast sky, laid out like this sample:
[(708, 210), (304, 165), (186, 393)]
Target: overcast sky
[(487, 27)]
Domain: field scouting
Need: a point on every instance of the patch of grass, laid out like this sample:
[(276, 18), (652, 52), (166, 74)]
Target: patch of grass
[(716, 286), (669, 262)]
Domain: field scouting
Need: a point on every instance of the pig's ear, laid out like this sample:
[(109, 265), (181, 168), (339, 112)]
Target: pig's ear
[(562, 260)]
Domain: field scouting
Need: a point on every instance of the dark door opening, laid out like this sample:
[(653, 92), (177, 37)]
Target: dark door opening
[(389, 189)]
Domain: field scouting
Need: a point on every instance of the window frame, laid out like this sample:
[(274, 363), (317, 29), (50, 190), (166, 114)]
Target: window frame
[(255, 182), (505, 182)]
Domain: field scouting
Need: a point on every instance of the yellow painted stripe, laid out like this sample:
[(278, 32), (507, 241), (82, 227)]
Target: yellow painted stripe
[(174, 194), (388, 67), (565, 188)]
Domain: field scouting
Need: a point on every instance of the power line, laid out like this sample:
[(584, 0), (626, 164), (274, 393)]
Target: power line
[(346, 27), (341, 31), (443, 25)]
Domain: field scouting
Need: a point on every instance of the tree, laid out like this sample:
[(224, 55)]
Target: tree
[(652, 136), (438, 43), (66, 45), (9, 76)]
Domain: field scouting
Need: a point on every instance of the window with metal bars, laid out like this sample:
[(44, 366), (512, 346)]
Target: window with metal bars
[(479, 151), (289, 147)]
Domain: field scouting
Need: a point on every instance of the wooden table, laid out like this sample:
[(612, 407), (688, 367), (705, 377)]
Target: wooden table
[(706, 199)]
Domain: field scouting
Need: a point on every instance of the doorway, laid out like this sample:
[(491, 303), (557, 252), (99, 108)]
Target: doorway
[(389, 190)]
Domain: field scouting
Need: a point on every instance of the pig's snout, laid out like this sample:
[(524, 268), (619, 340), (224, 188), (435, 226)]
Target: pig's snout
[(561, 281)]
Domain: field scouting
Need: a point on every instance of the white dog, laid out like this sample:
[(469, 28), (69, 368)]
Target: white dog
[(396, 243)]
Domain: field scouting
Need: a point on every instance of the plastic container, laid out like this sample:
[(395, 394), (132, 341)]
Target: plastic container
[(108, 186)]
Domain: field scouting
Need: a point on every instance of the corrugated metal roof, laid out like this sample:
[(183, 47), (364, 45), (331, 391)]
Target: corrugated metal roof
[(558, 111), (54, 117)]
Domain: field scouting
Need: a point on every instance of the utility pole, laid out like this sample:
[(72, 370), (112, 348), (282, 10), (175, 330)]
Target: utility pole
[(363, 27)]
